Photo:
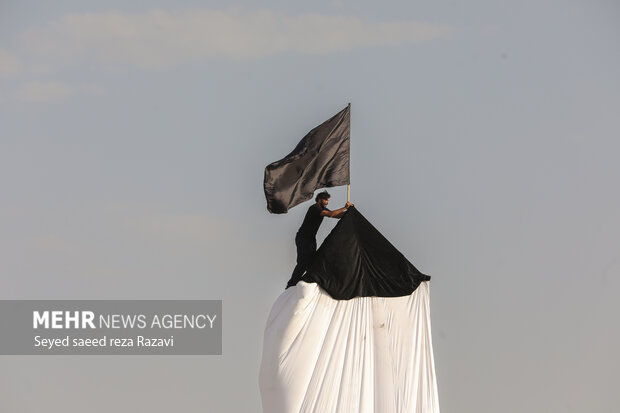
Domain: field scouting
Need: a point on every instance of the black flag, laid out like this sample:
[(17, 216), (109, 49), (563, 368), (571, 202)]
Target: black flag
[(320, 160)]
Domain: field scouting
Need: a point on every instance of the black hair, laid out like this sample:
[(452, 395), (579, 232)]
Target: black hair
[(322, 195)]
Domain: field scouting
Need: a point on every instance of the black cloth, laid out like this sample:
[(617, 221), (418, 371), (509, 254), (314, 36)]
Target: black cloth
[(306, 249), (355, 260), (320, 160), (312, 221)]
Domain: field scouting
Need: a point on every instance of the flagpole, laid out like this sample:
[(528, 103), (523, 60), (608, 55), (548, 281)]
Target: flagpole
[(349, 185)]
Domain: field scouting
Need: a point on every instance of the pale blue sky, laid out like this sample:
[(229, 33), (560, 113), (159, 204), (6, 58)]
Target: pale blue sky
[(485, 145)]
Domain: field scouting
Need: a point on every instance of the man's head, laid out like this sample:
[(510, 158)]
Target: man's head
[(323, 198)]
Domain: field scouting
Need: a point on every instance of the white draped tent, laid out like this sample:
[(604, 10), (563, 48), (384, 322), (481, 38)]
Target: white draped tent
[(366, 354)]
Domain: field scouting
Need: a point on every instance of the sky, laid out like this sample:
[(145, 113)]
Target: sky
[(484, 146)]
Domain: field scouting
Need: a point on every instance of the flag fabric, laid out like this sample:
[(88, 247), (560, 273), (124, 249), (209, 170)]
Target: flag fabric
[(320, 160)]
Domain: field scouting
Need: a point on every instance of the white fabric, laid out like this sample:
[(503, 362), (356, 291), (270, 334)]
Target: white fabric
[(368, 354)]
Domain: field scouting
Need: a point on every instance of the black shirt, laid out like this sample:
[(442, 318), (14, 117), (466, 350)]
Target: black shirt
[(312, 221)]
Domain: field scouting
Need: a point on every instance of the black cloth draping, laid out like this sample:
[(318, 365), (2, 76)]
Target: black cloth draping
[(356, 260)]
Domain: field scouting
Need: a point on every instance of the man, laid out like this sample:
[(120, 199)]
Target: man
[(305, 240)]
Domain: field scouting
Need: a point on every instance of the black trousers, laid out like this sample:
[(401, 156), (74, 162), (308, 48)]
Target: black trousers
[(306, 249)]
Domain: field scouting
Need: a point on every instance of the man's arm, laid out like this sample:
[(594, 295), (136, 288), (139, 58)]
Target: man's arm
[(337, 213)]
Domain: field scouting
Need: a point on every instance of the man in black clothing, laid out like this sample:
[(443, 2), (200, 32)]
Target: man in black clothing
[(305, 240)]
